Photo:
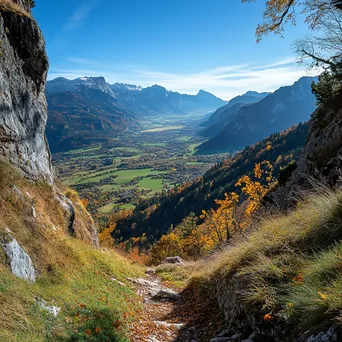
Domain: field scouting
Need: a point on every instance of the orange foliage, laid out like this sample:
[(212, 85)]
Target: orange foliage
[(84, 202)]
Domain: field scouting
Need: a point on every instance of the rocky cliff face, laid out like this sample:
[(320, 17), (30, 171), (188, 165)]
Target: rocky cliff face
[(321, 159), (23, 108)]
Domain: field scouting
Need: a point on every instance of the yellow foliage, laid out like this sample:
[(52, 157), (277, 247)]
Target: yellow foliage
[(168, 245)]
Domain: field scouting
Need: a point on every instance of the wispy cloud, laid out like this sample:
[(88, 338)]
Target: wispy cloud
[(80, 14), (82, 61), (224, 81)]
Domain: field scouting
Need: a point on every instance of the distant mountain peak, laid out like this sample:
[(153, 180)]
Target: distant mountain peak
[(153, 100)]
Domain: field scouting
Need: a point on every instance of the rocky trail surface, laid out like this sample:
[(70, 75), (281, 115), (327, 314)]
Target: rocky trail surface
[(157, 322), (169, 315)]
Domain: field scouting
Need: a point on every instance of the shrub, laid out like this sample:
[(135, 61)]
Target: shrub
[(326, 89)]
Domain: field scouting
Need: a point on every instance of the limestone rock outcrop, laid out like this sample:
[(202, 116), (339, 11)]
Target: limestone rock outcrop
[(321, 159), (19, 261), (23, 108)]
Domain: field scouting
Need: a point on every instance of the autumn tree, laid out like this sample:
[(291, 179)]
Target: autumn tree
[(195, 240), (168, 245), (279, 12), (256, 189), (223, 221)]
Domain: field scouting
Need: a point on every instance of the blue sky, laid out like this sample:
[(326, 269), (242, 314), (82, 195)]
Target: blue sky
[(183, 45)]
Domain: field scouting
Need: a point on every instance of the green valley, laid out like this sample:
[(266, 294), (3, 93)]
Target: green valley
[(119, 173)]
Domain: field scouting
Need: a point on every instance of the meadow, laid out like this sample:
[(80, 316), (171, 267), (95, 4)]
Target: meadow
[(117, 174)]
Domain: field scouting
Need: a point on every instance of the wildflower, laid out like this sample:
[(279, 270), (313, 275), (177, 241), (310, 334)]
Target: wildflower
[(322, 295), (268, 317)]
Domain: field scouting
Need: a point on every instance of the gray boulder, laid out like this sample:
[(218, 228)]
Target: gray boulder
[(176, 260), (20, 263)]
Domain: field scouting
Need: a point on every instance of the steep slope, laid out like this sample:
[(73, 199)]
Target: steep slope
[(281, 280), (226, 115), (247, 98), (84, 115), (23, 69), (155, 216), (321, 158), (54, 284), (282, 109)]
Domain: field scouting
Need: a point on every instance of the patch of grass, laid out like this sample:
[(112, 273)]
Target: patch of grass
[(127, 206), (151, 184), (82, 150), (176, 276), (10, 6), (288, 264), (108, 208), (89, 300)]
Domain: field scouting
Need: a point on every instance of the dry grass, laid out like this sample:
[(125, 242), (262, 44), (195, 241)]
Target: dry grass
[(71, 273), (10, 6), (284, 265)]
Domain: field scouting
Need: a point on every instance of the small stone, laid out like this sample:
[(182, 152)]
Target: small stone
[(150, 271), (118, 282), (166, 294), (176, 260), (177, 326), (17, 191), (252, 336), (33, 212), (54, 310), (220, 339), (224, 333)]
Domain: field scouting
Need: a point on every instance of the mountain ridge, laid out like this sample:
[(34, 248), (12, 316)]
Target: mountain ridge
[(138, 99), (287, 106)]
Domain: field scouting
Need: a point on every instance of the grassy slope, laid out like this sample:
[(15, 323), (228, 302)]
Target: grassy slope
[(289, 266), (71, 273)]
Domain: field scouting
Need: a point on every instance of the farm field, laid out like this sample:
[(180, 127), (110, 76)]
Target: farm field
[(117, 174)]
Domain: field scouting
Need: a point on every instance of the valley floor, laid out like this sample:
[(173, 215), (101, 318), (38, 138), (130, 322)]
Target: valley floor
[(118, 173)]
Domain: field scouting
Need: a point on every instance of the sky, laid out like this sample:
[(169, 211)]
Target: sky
[(183, 45)]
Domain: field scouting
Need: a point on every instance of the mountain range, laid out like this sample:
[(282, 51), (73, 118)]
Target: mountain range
[(154, 100), (244, 124), (89, 108)]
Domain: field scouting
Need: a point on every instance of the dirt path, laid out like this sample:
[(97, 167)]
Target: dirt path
[(157, 322)]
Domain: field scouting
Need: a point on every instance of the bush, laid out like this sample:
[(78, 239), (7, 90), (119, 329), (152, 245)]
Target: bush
[(326, 89)]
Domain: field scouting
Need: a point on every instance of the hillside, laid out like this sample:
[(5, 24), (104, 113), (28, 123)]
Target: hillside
[(224, 115), (155, 216), (285, 107), (51, 289), (220, 114), (83, 116)]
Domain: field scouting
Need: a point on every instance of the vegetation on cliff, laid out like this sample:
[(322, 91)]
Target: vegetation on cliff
[(72, 274)]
